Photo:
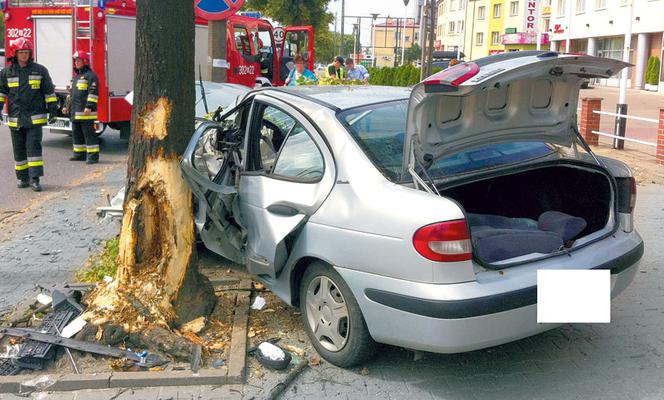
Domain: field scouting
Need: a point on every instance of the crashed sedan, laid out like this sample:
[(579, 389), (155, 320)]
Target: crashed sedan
[(416, 218)]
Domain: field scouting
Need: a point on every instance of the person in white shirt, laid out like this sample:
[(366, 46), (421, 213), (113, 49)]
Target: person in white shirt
[(356, 71)]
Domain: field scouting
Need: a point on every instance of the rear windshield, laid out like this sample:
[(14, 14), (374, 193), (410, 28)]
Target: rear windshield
[(380, 130)]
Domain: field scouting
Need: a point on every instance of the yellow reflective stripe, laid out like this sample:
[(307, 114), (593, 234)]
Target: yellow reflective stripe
[(82, 86), (35, 81), (12, 124), (92, 98), (79, 149), (95, 150), (3, 97), (51, 98), (35, 164), (12, 84), (21, 165), (39, 121)]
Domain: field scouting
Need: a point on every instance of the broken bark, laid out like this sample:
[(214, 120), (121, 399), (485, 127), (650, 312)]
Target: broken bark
[(158, 285)]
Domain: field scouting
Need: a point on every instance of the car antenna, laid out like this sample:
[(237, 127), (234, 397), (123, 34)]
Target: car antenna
[(200, 82)]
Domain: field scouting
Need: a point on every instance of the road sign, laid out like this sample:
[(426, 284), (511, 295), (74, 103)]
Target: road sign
[(216, 10), (279, 34)]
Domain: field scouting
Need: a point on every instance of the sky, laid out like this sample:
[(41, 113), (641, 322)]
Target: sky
[(393, 8)]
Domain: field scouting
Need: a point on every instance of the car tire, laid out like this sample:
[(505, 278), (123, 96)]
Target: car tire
[(357, 346)]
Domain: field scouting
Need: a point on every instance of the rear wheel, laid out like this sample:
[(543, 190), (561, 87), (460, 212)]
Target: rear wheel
[(332, 318)]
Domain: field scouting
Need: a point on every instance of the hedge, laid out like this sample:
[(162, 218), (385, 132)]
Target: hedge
[(652, 72), (405, 75)]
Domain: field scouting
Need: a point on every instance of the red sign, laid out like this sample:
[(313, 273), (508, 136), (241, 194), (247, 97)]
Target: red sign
[(216, 10), (437, 44), (558, 29), (525, 38)]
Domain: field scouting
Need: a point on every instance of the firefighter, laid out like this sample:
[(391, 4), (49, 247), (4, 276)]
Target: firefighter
[(83, 110), (336, 69), (29, 90)]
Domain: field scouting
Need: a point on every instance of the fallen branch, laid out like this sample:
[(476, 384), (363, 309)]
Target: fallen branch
[(283, 385)]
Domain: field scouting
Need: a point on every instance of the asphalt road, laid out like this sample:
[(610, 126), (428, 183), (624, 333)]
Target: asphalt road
[(59, 171)]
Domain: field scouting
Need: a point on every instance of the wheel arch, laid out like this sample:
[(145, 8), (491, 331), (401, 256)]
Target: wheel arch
[(296, 274)]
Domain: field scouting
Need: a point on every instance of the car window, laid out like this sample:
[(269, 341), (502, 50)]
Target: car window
[(380, 130), (273, 128), (242, 41), (300, 158)]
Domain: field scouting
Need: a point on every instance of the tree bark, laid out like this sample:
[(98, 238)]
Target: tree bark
[(158, 283)]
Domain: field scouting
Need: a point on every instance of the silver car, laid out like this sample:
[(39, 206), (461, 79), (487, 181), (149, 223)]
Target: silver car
[(416, 218)]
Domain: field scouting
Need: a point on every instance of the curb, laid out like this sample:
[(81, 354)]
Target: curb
[(71, 382)]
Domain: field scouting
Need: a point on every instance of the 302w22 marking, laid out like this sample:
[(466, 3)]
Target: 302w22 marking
[(19, 32), (246, 70)]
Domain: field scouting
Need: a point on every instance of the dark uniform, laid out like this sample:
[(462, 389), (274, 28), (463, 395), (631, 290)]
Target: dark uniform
[(30, 93), (84, 90)]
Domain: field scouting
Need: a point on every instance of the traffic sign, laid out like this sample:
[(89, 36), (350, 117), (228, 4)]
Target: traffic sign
[(216, 10), (279, 34)]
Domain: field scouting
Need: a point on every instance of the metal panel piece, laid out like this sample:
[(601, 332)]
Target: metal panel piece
[(53, 48), (121, 52)]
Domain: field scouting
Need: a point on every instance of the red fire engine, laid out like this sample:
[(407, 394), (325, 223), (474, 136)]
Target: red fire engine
[(107, 30)]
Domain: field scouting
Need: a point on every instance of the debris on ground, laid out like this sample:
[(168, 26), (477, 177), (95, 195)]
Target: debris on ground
[(273, 356), (283, 385), (194, 326), (259, 303), (114, 208)]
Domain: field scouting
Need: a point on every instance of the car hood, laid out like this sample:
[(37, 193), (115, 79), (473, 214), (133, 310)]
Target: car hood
[(528, 97)]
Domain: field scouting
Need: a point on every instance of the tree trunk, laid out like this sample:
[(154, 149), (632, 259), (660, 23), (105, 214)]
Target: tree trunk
[(158, 283)]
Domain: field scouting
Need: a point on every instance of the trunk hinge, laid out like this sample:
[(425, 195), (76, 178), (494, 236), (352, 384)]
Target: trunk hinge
[(586, 146), (417, 179)]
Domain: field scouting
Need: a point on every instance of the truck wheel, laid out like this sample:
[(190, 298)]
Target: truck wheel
[(332, 318)]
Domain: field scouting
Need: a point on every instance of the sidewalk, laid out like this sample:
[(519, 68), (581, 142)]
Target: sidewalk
[(51, 241)]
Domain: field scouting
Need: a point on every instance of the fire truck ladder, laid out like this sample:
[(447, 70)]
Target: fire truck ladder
[(84, 28)]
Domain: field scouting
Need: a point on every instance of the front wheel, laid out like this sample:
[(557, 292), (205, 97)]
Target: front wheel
[(332, 318)]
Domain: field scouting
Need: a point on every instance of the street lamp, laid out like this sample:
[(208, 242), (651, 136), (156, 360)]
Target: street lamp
[(355, 34), (373, 38)]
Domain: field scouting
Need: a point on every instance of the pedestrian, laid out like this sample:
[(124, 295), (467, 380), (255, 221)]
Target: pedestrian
[(335, 70), (83, 112), (300, 71), (29, 91), (358, 71)]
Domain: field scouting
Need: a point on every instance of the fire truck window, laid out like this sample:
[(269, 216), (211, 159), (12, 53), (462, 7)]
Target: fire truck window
[(265, 41), (242, 43), (296, 42)]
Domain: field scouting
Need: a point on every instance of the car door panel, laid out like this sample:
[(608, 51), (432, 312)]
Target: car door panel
[(275, 207)]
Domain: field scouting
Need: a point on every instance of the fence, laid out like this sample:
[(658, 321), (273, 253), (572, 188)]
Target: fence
[(591, 111)]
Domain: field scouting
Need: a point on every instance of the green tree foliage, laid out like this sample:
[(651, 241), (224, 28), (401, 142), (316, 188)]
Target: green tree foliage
[(294, 12), (413, 53), (327, 45), (652, 72), (406, 75)]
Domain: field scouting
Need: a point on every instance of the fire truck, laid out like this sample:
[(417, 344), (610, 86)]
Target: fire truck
[(107, 28)]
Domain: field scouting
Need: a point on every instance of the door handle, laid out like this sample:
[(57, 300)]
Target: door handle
[(282, 209)]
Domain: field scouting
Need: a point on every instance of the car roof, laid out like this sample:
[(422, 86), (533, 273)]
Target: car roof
[(338, 97)]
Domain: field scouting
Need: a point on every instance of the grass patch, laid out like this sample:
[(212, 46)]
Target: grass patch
[(101, 265)]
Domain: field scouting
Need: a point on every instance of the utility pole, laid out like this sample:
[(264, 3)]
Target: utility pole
[(373, 38), (621, 107), (355, 29), (403, 36), (432, 29), (426, 11), (343, 16)]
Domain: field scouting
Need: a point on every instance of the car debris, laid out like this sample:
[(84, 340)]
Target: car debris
[(259, 303), (273, 356), (283, 385), (141, 359), (114, 208)]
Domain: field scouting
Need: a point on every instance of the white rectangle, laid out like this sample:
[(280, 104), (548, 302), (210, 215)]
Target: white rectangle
[(573, 296), (121, 53), (220, 63), (53, 48)]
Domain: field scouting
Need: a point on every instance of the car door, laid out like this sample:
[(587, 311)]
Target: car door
[(288, 173), (211, 165)]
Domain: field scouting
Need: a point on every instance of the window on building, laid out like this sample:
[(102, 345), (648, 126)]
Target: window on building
[(497, 10), (623, 2), (600, 4), (495, 38), (514, 8), (480, 12), (460, 26), (479, 38), (417, 34), (562, 6), (407, 38), (580, 6), (450, 27), (462, 4), (453, 5)]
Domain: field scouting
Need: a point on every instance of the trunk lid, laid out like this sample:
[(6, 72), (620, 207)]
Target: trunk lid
[(520, 96)]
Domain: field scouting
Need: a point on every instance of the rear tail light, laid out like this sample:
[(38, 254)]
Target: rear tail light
[(444, 241), (626, 194), (452, 77)]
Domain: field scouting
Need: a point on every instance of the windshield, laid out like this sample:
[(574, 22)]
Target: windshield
[(380, 130)]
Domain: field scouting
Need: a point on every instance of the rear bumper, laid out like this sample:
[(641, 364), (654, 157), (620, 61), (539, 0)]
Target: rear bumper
[(467, 316), (478, 306)]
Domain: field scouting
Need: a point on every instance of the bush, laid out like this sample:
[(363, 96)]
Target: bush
[(652, 72)]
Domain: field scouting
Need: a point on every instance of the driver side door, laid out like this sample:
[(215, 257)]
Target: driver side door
[(288, 173)]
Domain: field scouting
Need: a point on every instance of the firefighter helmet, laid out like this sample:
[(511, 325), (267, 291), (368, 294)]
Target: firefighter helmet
[(83, 55), (19, 44)]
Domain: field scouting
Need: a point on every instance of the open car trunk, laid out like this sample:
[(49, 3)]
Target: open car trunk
[(534, 213)]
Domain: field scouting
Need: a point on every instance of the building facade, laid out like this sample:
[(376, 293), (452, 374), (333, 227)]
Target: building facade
[(598, 27), (389, 38), (490, 26)]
